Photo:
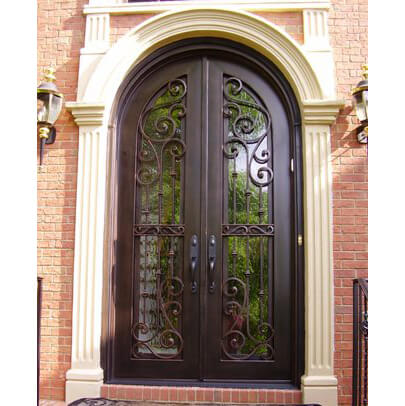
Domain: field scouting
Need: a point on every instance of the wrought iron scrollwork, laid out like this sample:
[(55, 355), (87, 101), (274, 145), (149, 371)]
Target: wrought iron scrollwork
[(167, 337), (247, 229), (235, 338), (247, 313), (158, 232), (159, 229), (246, 117)]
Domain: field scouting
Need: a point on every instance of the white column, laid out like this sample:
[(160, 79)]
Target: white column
[(318, 50), (86, 376), (319, 385)]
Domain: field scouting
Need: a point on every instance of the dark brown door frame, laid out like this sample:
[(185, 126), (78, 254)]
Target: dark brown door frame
[(154, 62)]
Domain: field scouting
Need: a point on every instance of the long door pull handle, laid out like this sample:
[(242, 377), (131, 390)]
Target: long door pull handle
[(211, 261), (193, 262)]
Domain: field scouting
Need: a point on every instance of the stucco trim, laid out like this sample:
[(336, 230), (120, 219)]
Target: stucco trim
[(125, 8), (240, 26)]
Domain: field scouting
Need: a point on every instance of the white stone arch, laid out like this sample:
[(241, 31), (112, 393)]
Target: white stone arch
[(240, 26), (101, 74)]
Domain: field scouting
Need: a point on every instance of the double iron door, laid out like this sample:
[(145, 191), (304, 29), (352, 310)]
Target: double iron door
[(204, 254)]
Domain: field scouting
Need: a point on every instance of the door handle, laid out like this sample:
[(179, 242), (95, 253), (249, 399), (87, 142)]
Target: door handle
[(211, 261), (193, 262)]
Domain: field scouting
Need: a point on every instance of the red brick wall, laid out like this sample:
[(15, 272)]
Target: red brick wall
[(290, 22), (206, 395), (120, 25), (348, 37), (60, 36)]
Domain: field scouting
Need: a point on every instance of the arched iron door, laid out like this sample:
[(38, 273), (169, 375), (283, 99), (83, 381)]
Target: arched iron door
[(206, 275)]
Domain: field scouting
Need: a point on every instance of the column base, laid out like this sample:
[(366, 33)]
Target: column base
[(319, 389), (83, 383)]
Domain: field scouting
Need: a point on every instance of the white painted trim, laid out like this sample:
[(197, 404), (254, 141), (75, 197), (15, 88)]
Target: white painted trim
[(115, 8), (240, 26), (317, 48), (85, 377), (98, 88), (86, 114), (97, 35)]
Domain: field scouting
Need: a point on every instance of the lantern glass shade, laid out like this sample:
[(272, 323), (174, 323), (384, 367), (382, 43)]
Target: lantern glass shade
[(361, 103), (365, 101), (49, 106)]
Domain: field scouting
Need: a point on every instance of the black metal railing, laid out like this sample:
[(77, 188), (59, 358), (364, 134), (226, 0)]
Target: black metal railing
[(39, 307), (360, 342)]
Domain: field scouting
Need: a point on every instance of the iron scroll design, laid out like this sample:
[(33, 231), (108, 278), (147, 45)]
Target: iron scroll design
[(158, 230), (235, 338), (247, 231), (244, 124)]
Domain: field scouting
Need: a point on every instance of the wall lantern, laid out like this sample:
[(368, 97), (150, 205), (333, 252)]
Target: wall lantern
[(360, 102), (49, 106)]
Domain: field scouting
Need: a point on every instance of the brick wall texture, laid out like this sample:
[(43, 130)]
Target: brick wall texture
[(61, 26)]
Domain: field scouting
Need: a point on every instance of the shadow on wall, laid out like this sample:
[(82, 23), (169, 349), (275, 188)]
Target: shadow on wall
[(349, 168)]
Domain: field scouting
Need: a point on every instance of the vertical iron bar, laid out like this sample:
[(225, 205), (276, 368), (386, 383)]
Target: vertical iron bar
[(247, 274), (159, 298), (39, 308), (360, 346), (355, 343), (234, 253), (146, 253), (365, 336), (143, 280), (171, 251), (261, 291)]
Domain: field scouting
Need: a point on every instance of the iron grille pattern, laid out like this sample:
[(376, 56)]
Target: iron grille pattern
[(159, 232), (247, 230), (360, 342)]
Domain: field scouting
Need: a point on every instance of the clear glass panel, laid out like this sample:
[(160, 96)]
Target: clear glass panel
[(157, 330), (55, 108), (247, 225)]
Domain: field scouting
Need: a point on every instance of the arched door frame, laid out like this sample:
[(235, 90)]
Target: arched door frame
[(99, 85)]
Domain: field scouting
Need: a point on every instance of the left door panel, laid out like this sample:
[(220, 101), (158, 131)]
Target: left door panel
[(158, 221)]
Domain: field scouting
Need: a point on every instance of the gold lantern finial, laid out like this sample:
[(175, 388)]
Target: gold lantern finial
[(364, 68), (50, 74)]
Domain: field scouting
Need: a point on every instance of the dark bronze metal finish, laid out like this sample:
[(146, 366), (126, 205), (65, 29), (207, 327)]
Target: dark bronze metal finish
[(360, 343), (248, 152), (205, 135), (156, 331)]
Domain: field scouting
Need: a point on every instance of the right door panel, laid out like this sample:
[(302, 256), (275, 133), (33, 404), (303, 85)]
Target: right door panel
[(249, 195)]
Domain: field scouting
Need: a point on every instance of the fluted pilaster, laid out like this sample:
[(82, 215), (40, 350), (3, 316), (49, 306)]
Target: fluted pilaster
[(86, 375), (318, 384)]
